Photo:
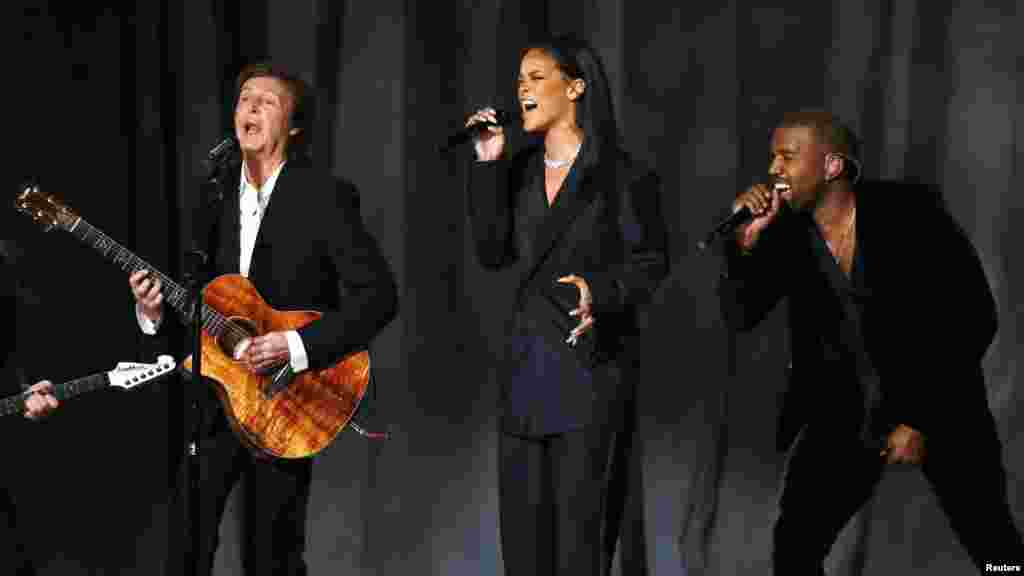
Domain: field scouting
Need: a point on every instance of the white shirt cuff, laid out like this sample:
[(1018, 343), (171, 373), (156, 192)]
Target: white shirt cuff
[(297, 351), (145, 324)]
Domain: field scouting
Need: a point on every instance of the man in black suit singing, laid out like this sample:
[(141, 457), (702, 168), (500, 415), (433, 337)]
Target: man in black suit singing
[(297, 234), (890, 316)]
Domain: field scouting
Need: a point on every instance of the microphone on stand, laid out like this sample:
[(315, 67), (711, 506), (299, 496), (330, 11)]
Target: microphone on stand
[(220, 153), (217, 158), (470, 132)]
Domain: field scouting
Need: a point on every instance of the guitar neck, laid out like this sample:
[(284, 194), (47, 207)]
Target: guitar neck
[(16, 404), (175, 295)]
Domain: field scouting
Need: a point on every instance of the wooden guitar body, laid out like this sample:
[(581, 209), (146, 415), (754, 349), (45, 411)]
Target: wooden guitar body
[(296, 420)]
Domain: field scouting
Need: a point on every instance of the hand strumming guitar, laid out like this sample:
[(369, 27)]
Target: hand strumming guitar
[(261, 353)]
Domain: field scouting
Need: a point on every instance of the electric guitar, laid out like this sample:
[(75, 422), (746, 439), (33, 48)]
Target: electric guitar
[(277, 415), (125, 375)]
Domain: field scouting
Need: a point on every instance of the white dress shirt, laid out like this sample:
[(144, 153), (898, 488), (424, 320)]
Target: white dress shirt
[(252, 205)]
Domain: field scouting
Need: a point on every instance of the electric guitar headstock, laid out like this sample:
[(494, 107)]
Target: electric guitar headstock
[(45, 209), (128, 375)]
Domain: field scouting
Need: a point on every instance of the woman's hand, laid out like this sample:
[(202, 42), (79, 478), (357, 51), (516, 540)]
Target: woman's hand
[(584, 312), (491, 142)]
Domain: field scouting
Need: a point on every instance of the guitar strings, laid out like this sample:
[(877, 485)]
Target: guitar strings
[(217, 322)]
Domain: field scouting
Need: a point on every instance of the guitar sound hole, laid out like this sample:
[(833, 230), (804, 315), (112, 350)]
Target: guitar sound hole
[(237, 330)]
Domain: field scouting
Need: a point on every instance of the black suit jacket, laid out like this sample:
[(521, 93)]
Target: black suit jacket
[(312, 252), (610, 231), (928, 314)]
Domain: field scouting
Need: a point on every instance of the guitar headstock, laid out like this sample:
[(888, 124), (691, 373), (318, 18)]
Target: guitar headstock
[(128, 375), (45, 209)]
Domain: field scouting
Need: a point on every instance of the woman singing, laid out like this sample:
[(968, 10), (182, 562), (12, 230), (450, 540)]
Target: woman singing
[(585, 226)]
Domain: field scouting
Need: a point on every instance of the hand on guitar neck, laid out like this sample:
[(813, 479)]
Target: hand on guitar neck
[(146, 290), (40, 401)]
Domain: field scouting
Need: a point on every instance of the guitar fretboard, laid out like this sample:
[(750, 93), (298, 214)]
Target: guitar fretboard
[(16, 404), (174, 294)]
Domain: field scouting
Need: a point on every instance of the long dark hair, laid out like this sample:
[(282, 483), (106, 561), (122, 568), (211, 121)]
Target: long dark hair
[(595, 115)]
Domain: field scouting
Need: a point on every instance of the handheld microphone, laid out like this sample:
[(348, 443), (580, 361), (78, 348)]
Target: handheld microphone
[(732, 222), (470, 132)]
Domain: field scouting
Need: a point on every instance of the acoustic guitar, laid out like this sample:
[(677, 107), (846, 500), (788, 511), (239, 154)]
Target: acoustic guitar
[(126, 375), (277, 415)]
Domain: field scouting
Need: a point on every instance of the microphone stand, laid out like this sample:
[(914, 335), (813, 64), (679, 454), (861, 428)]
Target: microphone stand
[(196, 259)]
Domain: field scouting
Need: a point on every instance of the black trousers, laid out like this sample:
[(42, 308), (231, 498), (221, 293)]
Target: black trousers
[(13, 558), (554, 493), (830, 475), (274, 505)]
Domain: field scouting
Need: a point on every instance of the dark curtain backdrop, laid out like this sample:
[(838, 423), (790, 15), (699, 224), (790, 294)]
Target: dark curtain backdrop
[(113, 109)]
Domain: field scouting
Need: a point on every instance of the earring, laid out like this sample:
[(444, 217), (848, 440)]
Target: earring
[(828, 160)]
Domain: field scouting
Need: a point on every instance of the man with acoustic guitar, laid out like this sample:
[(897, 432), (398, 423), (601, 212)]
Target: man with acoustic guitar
[(297, 234), (40, 402)]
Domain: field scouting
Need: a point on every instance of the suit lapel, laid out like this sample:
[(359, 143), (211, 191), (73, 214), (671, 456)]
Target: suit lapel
[(273, 217), (569, 204), (231, 235)]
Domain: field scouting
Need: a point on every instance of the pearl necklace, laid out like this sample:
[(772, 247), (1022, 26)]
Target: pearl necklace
[(554, 164)]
